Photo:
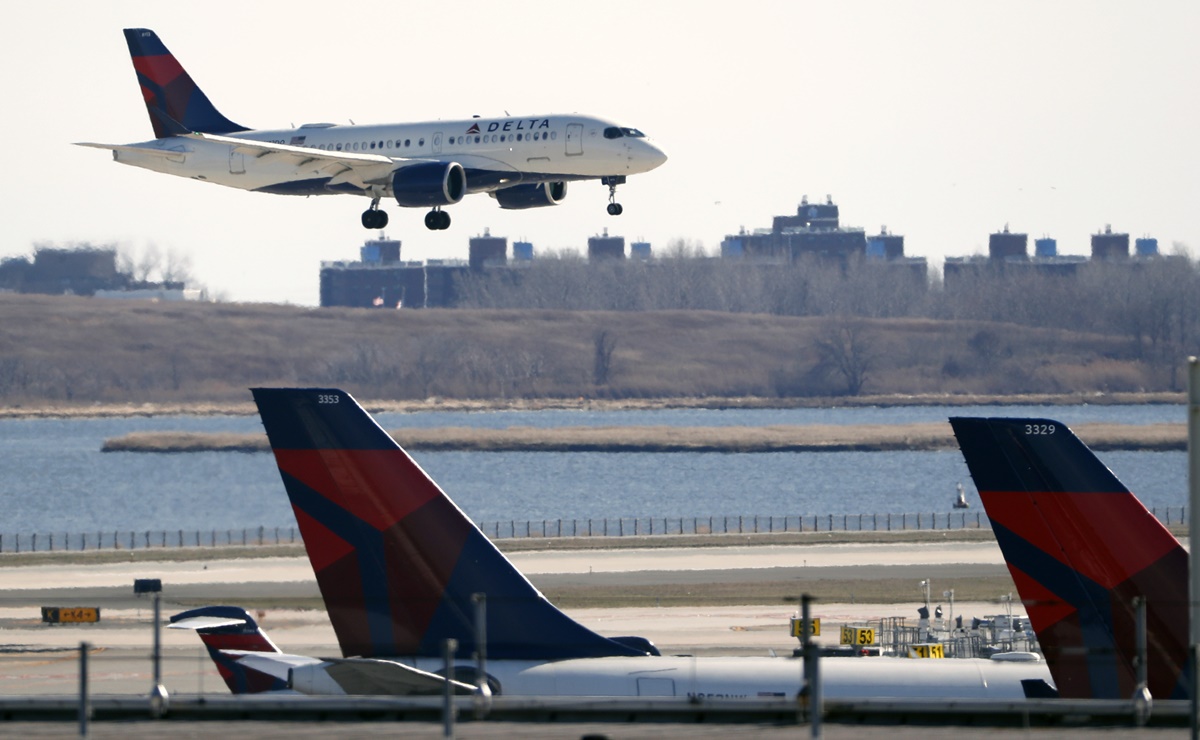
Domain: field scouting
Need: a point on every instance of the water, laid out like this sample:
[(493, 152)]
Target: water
[(56, 480)]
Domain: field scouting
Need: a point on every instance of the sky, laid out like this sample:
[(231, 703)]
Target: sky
[(943, 121)]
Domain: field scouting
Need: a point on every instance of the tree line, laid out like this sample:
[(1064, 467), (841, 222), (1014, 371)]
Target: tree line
[(1152, 304)]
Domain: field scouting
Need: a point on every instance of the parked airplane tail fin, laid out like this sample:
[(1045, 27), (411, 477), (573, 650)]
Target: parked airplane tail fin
[(396, 561), (1080, 548), (231, 628), (176, 105)]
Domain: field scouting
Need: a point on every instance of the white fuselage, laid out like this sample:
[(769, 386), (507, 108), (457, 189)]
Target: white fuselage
[(733, 678), (494, 152)]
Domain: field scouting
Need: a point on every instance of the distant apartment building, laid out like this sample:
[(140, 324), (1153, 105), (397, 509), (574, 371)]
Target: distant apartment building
[(84, 272)]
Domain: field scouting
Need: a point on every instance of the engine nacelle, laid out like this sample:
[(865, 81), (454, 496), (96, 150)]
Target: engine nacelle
[(429, 184), (531, 196)]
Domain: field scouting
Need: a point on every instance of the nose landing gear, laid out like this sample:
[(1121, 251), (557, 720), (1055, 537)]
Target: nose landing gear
[(614, 208)]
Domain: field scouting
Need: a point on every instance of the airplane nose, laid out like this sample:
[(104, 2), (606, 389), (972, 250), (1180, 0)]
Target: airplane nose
[(655, 155)]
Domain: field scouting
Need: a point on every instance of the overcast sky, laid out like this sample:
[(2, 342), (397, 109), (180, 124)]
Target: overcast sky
[(941, 120)]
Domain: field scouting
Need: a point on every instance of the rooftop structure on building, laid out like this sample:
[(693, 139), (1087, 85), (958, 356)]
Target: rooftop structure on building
[(380, 279), (603, 247), (487, 251), (815, 231)]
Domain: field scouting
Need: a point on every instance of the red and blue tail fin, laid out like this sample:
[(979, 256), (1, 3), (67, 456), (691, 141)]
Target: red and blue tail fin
[(396, 561), (1080, 548), (176, 105), (224, 628)]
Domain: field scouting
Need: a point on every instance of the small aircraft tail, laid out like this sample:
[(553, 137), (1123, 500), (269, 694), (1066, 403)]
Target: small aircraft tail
[(1080, 548), (396, 561), (231, 628), (176, 105)]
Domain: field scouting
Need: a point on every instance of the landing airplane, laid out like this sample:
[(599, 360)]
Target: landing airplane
[(1080, 548), (398, 563), (522, 162)]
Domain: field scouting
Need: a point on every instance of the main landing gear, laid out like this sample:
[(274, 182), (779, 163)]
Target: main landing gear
[(614, 208), (373, 218), (437, 220)]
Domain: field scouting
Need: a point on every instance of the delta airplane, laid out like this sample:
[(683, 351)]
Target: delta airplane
[(398, 565), (523, 162), (1080, 547)]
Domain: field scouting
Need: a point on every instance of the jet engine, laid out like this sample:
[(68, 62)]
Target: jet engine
[(429, 184), (531, 196)]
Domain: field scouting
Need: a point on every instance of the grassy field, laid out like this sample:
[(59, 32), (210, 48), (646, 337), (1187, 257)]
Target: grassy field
[(93, 356)]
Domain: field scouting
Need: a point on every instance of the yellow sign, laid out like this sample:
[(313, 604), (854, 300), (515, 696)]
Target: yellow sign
[(858, 636), (797, 627), (934, 650), (70, 614)]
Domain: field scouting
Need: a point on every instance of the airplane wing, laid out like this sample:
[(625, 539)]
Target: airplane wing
[(359, 676), (150, 151), (366, 676), (357, 169)]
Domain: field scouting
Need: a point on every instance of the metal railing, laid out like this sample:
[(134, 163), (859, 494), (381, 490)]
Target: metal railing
[(539, 528)]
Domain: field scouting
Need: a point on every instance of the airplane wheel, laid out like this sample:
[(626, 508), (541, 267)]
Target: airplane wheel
[(431, 220), (443, 220), (615, 209), (374, 219)]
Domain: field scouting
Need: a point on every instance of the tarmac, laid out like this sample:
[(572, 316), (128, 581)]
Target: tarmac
[(37, 659)]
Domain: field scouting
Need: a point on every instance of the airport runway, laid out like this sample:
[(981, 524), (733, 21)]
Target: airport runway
[(37, 658)]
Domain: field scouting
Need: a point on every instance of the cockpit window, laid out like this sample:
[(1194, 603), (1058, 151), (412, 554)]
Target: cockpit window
[(615, 132)]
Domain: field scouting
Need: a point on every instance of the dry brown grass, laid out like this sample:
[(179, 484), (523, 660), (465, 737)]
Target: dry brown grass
[(817, 437), (132, 358)]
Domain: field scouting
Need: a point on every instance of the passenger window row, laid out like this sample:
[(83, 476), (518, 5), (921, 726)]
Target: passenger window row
[(451, 141)]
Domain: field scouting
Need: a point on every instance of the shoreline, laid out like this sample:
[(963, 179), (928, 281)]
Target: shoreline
[(246, 408), (662, 439)]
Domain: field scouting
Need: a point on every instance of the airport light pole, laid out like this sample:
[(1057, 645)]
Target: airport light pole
[(1193, 537), (85, 707), (812, 670), (483, 692), (159, 699)]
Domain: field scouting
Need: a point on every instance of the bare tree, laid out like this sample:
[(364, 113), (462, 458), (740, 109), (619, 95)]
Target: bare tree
[(177, 267), (147, 266), (845, 346), (605, 344)]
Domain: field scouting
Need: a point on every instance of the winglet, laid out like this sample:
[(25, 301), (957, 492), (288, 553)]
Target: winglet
[(396, 561), (1080, 547), (175, 103)]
